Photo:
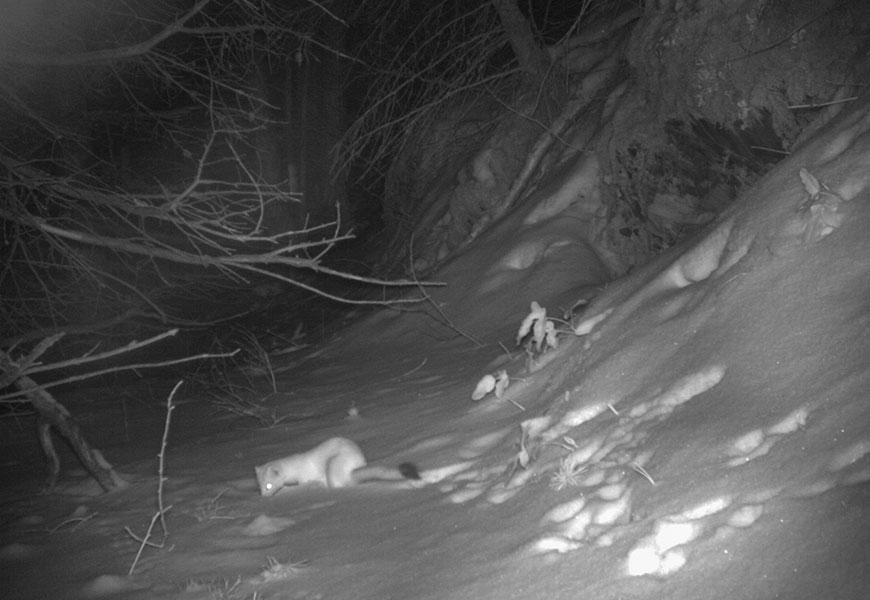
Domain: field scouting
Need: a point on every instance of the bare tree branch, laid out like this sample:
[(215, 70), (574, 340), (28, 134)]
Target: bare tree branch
[(15, 369), (109, 56)]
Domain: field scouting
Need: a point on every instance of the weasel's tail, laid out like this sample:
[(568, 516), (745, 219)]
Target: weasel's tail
[(378, 473), (409, 471)]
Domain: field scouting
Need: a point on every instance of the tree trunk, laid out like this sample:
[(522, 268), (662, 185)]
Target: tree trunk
[(533, 61)]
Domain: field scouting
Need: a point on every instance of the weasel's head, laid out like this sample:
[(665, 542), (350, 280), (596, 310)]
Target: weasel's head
[(269, 479)]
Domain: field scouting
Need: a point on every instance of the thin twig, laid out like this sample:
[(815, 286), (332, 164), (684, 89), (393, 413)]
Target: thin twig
[(143, 541), (169, 408), (785, 37), (75, 362), (414, 370), (643, 472), (161, 509), (134, 367), (445, 319), (506, 351), (822, 104), (77, 520)]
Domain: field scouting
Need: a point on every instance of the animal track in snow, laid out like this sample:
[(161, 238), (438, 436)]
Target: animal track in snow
[(668, 547), (709, 258), (758, 442), (465, 479), (852, 465), (663, 551), (849, 456), (606, 466), (266, 525)]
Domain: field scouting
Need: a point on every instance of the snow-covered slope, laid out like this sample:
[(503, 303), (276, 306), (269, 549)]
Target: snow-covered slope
[(701, 431)]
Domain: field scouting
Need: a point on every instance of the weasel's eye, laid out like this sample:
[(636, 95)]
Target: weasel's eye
[(268, 486)]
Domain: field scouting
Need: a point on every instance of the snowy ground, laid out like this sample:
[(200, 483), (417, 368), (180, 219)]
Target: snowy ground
[(705, 436)]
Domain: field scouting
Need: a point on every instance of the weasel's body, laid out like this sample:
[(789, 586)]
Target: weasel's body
[(337, 462)]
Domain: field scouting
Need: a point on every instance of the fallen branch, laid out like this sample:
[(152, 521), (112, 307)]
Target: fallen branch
[(52, 414)]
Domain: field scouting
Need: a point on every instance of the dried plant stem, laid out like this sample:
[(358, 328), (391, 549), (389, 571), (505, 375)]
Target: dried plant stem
[(257, 356), (162, 455), (161, 509)]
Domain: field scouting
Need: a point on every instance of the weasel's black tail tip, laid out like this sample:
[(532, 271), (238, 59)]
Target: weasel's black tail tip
[(409, 471)]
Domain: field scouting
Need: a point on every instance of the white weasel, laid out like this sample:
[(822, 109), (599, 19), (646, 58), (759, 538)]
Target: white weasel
[(337, 462)]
